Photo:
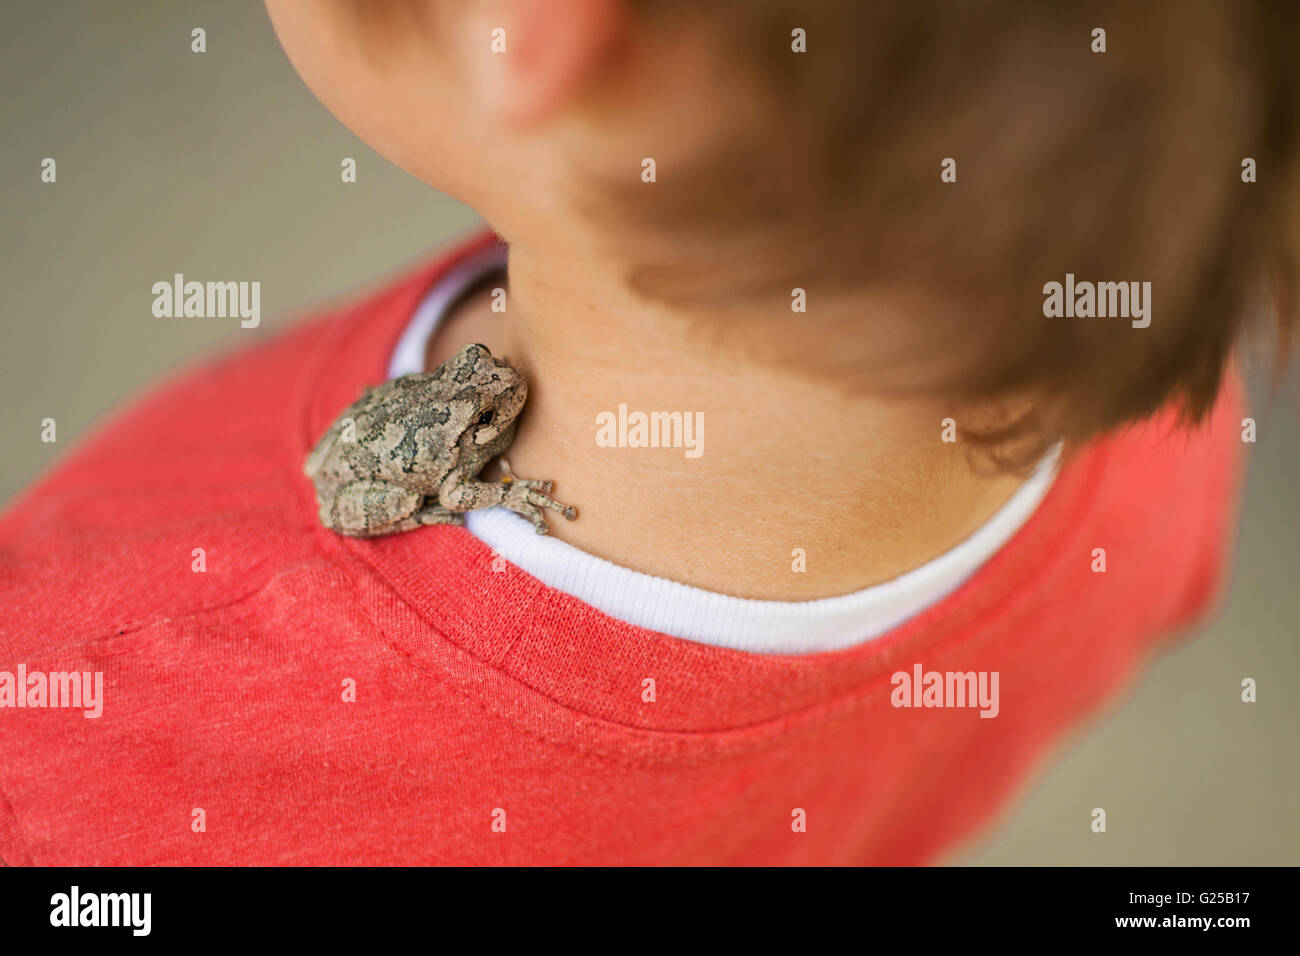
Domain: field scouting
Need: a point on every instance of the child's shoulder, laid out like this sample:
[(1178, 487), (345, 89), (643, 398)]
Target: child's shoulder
[(180, 501)]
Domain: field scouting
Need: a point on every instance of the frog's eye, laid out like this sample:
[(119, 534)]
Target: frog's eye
[(486, 418)]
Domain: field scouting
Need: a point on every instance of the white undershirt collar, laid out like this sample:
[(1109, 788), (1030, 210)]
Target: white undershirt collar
[(765, 627)]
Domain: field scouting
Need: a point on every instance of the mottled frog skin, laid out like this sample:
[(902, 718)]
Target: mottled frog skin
[(406, 454)]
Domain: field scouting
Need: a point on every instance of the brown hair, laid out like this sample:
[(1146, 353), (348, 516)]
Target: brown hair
[(1115, 166), (1118, 166)]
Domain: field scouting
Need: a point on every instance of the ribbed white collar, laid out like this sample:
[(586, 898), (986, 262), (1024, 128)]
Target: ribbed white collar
[(765, 627)]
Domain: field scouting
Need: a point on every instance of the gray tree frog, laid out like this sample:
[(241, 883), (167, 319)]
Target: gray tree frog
[(407, 453)]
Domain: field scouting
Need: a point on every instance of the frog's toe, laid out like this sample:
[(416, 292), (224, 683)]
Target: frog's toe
[(533, 514)]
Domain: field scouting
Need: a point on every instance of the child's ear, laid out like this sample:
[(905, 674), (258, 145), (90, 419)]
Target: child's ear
[(538, 57)]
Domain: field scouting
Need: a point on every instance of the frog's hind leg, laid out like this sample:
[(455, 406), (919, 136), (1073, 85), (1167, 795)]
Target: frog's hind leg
[(435, 514), (367, 508)]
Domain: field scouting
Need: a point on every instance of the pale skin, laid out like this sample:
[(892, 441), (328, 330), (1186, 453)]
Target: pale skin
[(792, 458)]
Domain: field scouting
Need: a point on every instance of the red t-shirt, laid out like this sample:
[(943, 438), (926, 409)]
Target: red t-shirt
[(312, 699)]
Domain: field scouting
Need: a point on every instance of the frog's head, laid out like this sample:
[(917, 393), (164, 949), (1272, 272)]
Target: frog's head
[(499, 393)]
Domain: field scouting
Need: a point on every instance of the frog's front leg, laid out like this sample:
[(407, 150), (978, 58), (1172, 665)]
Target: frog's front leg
[(523, 496)]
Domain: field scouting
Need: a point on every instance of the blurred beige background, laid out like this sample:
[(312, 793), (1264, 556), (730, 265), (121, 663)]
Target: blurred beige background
[(223, 165)]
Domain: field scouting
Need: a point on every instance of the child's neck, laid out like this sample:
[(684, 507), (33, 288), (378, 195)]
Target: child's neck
[(865, 487)]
